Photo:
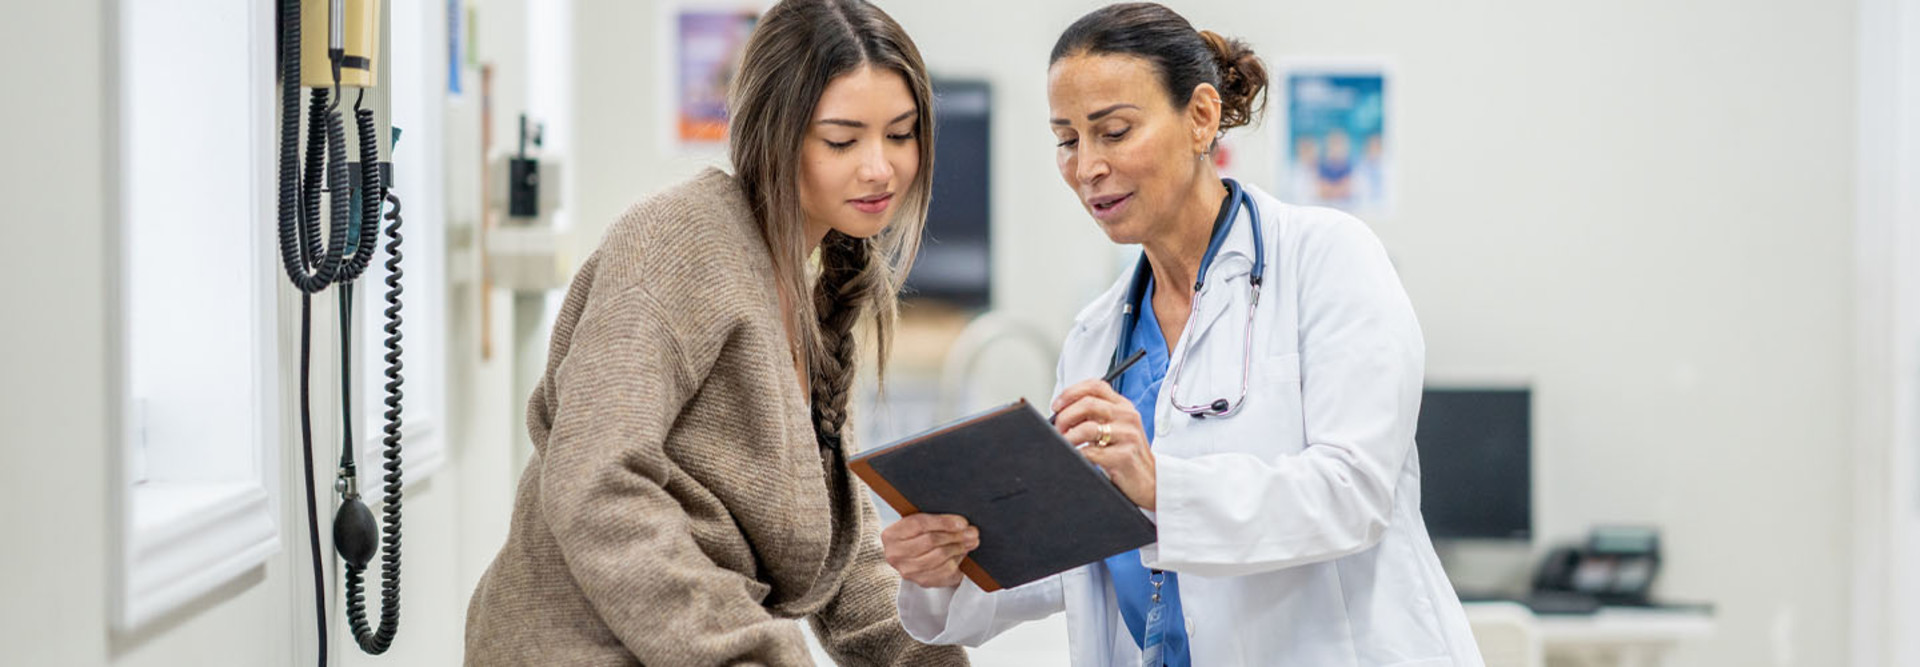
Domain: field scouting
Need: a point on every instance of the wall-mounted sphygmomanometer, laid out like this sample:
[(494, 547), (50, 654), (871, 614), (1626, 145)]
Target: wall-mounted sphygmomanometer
[(332, 48)]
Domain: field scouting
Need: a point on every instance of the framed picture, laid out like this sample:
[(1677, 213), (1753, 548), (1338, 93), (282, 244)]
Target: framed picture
[(1337, 138), (704, 41)]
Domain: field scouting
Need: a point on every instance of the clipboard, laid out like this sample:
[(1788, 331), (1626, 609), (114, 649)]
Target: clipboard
[(1041, 508)]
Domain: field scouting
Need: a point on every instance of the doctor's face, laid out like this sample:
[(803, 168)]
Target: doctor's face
[(861, 155), (1125, 150)]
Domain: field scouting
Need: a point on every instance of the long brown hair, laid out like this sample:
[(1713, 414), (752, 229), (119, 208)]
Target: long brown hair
[(799, 47)]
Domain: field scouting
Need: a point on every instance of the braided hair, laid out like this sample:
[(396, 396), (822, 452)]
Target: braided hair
[(853, 279)]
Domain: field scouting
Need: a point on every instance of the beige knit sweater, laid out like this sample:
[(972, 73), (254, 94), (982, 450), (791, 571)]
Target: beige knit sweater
[(677, 509)]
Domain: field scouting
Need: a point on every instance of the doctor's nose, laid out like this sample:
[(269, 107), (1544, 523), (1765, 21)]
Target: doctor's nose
[(1089, 168)]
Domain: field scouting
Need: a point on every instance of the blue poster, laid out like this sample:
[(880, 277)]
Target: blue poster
[(1337, 143), (456, 44)]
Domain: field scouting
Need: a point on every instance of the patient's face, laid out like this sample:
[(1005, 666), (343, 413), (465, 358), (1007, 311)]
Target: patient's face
[(861, 153)]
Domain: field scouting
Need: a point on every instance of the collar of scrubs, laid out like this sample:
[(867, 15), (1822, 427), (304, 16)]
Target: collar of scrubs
[(1233, 251)]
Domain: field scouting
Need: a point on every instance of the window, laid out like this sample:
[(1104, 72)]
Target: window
[(197, 315)]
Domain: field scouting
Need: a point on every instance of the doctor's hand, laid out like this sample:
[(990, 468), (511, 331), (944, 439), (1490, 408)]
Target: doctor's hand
[(926, 549), (1091, 413)]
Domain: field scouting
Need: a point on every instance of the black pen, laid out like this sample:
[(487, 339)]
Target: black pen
[(1115, 373)]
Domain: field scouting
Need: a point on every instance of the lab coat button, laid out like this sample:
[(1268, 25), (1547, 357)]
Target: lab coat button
[(1189, 628)]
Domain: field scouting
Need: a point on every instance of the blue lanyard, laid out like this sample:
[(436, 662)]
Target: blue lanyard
[(1142, 272)]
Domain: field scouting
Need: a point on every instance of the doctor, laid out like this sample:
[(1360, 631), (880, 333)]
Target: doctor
[(1269, 430)]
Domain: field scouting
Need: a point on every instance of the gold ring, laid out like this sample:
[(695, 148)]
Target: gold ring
[(1106, 435)]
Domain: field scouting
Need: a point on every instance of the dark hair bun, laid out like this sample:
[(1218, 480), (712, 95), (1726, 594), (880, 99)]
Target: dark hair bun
[(1243, 80), (1183, 56)]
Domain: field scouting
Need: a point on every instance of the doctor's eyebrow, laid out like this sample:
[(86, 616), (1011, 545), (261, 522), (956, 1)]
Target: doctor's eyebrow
[(1097, 115), (858, 125)]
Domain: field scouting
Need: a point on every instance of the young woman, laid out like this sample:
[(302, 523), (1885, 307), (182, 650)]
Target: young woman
[(688, 496)]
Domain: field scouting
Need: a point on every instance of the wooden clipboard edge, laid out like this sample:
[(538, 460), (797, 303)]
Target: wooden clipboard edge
[(979, 576), (862, 467), (864, 470)]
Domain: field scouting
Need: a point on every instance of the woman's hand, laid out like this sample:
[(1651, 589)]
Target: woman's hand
[(1093, 414), (926, 549)]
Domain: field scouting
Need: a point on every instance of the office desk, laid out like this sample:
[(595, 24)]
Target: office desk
[(1625, 636)]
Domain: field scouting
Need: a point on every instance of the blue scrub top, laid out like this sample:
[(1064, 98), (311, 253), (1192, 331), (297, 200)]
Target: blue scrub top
[(1131, 580)]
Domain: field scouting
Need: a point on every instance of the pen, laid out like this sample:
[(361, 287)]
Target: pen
[(1114, 374)]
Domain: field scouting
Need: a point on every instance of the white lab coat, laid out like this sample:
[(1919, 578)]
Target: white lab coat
[(1294, 524)]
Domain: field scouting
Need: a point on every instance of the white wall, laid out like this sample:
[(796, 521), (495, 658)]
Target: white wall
[(55, 444), (1887, 495), (57, 408), (59, 429), (1657, 235), (1643, 207)]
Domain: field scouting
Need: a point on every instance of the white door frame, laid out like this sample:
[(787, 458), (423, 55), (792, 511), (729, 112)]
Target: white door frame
[(1886, 586)]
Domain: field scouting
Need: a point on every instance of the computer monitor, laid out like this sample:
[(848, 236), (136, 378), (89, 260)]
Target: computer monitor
[(1476, 462), (955, 262)]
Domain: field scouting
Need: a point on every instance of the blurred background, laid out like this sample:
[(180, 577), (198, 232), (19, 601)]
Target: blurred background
[(1662, 254)]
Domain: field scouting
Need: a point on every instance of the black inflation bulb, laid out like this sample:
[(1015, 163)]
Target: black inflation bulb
[(355, 534)]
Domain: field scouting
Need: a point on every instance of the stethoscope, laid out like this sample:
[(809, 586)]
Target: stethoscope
[(1142, 273)]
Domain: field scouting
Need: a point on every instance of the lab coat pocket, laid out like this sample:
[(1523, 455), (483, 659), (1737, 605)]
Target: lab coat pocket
[(1277, 402), (1281, 368)]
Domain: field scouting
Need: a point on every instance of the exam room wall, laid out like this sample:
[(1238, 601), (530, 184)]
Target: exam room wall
[(55, 353), (1659, 239), (54, 445), (58, 436), (1642, 208)]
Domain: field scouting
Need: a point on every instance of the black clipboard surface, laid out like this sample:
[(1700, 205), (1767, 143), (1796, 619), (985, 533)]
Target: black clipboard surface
[(1040, 506)]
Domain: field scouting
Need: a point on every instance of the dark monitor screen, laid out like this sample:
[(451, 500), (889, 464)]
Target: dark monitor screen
[(954, 264), (1476, 458)]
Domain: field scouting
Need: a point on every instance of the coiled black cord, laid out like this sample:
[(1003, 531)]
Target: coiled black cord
[(309, 267), (373, 192), (315, 172), (312, 265), (354, 527), (371, 641)]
